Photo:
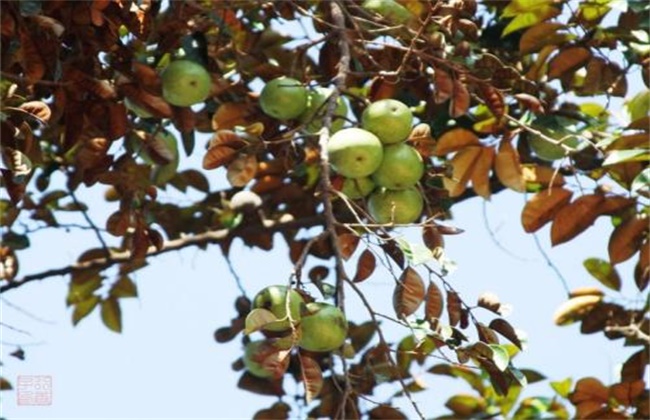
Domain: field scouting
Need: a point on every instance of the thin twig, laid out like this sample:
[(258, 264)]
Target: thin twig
[(90, 222), (552, 266)]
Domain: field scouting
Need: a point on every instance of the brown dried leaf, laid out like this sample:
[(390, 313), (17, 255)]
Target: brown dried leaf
[(394, 252), (459, 103), (481, 172), (8, 264), (409, 293), (489, 301), (571, 220), (543, 206), (627, 238), (508, 168), (231, 114), (444, 86), (485, 334), (223, 149), (454, 308), (118, 223), (38, 109), (260, 386), (33, 65), (365, 266), (311, 375), (615, 204), (537, 36), (434, 302), (463, 164), (587, 389), (432, 237), (493, 99), (455, 140), (542, 175), (626, 393), (635, 366), (347, 244), (242, 170), (504, 328), (568, 60), (421, 139), (530, 102), (385, 412)]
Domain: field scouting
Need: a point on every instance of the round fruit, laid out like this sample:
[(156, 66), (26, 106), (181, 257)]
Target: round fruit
[(283, 98), (274, 299), (255, 353), (389, 10), (355, 188), (324, 328), (388, 119), (395, 206), (354, 152), (316, 108), (402, 167), (185, 83)]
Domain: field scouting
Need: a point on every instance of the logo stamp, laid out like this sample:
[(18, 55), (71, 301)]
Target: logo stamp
[(34, 390)]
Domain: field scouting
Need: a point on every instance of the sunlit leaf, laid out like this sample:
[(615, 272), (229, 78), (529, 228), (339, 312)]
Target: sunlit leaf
[(464, 405), (508, 168), (124, 287), (443, 86), (481, 173), (434, 302), (542, 208), (460, 100), (242, 170), (462, 164), (409, 293), (257, 319), (575, 308), (504, 328), (569, 59), (530, 16), (489, 301), (604, 272), (540, 35), (454, 140), (83, 308)]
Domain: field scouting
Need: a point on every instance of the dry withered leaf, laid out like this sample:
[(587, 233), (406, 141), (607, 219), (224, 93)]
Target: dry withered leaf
[(575, 308), (481, 173), (460, 100), (574, 218), (311, 375), (454, 307), (434, 302), (626, 238), (455, 140), (241, 170), (463, 164), (409, 293), (347, 243), (365, 266), (508, 168), (569, 59), (443, 86), (543, 206)]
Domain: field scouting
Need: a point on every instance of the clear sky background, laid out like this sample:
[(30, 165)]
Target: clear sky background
[(166, 364)]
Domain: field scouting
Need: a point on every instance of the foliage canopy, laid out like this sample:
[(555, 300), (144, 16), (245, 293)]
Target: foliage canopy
[(518, 95)]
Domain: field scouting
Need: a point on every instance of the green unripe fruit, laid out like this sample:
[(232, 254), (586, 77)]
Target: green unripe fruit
[(395, 206), (317, 107), (388, 119), (354, 153), (274, 299), (283, 98), (402, 167), (185, 83), (323, 328)]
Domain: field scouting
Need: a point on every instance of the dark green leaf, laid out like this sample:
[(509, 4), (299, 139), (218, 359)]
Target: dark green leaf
[(112, 314), (604, 272)]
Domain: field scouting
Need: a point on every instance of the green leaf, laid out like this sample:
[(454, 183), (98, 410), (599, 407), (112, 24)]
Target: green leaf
[(415, 253), (532, 376), (519, 375), (639, 106), (500, 356), (604, 272), (15, 241), (465, 405), (124, 287), (79, 291), (258, 318), (632, 155), (642, 182), (530, 17), (84, 308), (112, 314), (562, 388)]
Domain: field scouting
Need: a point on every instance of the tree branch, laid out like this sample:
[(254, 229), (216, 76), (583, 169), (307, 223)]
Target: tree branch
[(201, 239)]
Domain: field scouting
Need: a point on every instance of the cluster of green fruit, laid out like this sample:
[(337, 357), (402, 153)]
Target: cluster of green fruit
[(378, 164), (320, 327)]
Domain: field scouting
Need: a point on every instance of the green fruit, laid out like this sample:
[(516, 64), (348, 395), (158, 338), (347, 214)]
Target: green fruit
[(274, 299), (402, 167), (395, 206), (323, 328), (355, 188), (389, 10), (316, 108), (354, 152), (255, 353), (557, 128), (283, 98), (185, 83), (388, 119)]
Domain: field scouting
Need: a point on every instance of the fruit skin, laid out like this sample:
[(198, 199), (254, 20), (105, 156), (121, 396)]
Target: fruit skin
[(185, 83), (354, 152), (274, 298), (316, 108), (402, 167), (283, 98), (356, 188), (255, 353), (396, 206), (324, 328), (388, 119), (389, 10)]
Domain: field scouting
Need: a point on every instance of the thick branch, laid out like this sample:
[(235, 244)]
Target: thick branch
[(201, 239)]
